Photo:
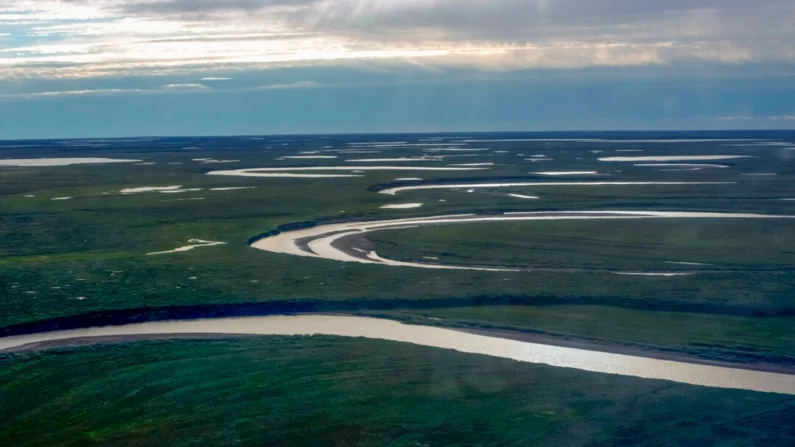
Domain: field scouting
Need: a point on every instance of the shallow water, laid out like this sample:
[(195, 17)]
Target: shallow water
[(231, 188), (244, 173), (393, 191), (359, 168), (400, 206), (291, 171), (676, 158), (458, 149), (664, 274), (396, 159), (553, 173), (140, 189), (601, 140), (346, 326), (180, 191), (306, 157), (523, 196), (22, 162), (692, 165), (196, 244)]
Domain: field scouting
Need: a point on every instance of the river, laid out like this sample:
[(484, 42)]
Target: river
[(349, 326)]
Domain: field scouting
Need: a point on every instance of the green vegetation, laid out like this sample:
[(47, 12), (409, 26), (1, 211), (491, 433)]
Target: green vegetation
[(88, 254), (320, 391), (724, 244)]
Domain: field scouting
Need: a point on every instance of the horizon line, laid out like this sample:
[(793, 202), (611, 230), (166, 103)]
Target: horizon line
[(451, 132)]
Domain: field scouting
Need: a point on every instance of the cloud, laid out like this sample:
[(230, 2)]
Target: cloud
[(93, 38), (757, 118), (164, 89), (299, 84), (206, 7), (185, 87), (87, 92), (210, 78)]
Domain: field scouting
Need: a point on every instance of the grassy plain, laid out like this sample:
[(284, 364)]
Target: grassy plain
[(720, 244), (88, 254), (327, 391)]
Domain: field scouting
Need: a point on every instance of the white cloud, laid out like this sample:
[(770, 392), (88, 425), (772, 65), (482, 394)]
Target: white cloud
[(757, 118), (53, 94), (185, 86), (164, 89)]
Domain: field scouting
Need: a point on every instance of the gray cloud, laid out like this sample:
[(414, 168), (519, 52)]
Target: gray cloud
[(493, 14), (205, 8), (754, 26), (507, 34), (516, 19), (548, 9), (512, 14)]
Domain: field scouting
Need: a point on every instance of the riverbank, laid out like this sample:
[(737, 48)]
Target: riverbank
[(701, 334)]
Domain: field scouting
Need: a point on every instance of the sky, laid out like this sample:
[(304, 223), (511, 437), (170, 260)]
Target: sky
[(112, 68)]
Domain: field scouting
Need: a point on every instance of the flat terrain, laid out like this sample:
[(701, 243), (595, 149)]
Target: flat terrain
[(77, 246), (738, 245), (88, 253), (335, 391)]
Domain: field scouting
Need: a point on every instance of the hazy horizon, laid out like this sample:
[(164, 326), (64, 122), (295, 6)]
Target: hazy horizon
[(641, 133), (114, 68)]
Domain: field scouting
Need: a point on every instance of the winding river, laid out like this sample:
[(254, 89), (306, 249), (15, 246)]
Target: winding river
[(338, 241), (348, 326)]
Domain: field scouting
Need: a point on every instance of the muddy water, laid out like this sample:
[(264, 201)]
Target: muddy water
[(714, 376)]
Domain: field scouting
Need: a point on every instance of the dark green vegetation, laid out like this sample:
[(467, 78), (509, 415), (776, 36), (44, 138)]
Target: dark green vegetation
[(322, 391), (88, 254), (727, 244)]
